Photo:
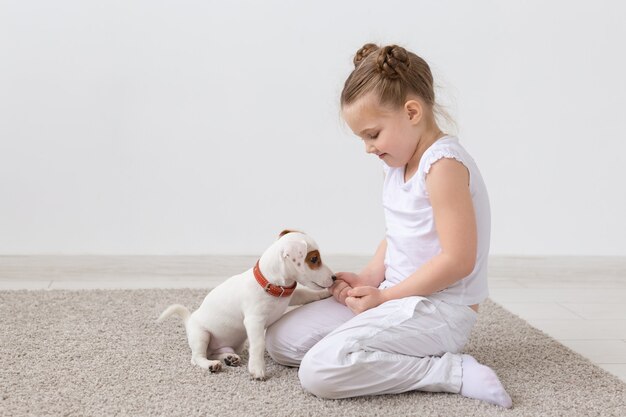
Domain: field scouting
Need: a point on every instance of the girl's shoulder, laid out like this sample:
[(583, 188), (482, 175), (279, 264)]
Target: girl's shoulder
[(445, 147)]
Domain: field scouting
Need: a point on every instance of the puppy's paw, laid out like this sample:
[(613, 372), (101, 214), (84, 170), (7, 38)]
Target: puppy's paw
[(324, 294), (232, 360), (259, 377), (216, 366), (213, 366), (317, 295), (257, 371)]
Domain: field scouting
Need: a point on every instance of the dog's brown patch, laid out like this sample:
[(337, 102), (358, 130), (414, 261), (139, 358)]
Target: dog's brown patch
[(313, 259)]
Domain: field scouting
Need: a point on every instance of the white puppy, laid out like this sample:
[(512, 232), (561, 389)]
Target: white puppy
[(246, 304)]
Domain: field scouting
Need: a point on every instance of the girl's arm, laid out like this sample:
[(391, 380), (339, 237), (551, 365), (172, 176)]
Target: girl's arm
[(370, 276), (448, 187), (374, 272)]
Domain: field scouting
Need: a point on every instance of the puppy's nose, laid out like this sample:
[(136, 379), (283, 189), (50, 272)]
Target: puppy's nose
[(334, 278)]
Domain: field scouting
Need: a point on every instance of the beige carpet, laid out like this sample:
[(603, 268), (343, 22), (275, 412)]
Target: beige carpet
[(82, 353)]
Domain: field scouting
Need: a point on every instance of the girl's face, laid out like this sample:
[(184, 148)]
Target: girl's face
[(391, 134)]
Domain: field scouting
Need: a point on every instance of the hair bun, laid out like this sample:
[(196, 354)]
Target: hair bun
[(392, 61), (362, 53)]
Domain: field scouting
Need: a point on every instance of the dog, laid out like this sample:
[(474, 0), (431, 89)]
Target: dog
[(244, 305)]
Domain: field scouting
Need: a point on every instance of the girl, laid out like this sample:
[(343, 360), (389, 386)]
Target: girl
[(400, 323)]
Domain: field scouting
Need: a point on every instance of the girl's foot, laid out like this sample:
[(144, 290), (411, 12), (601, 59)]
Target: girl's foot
[(482, 383)]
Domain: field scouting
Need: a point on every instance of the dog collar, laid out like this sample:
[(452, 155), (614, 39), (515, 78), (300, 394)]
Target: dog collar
[(271, 289)]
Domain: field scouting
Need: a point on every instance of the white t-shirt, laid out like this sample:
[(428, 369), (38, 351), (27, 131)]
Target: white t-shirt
[(411, 235)]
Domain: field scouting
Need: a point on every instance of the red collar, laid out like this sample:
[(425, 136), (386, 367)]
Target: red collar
[(271, 289)]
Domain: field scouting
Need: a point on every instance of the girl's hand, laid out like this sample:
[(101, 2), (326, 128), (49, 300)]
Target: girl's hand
[(361, 299), (345, 282)]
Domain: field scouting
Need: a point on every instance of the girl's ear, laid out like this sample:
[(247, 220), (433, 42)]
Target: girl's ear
[(414, 111)]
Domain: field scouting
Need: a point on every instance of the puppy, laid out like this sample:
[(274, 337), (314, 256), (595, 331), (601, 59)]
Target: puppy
[(244, 305)]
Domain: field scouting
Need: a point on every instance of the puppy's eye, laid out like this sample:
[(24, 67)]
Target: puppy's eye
[(314, 259)]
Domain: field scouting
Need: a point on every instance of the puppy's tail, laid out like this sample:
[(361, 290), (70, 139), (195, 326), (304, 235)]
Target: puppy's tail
[(180, 311)]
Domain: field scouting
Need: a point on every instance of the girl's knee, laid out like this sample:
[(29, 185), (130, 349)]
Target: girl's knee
[(287, 343), (279, 348), (311, 379), (319, 378)]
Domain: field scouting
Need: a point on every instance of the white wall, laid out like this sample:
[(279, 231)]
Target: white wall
[(169, 127)]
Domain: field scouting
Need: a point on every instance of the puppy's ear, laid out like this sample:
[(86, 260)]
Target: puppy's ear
[(295, 252), (284, 232)]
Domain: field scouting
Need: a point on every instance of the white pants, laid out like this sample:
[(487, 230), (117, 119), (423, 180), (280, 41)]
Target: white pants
[(402, 345)]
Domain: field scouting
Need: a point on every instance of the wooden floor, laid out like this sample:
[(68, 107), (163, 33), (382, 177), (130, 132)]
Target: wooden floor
[(579, 301)]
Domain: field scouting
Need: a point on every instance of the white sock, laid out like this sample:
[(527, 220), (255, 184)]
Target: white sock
[(482, 383)]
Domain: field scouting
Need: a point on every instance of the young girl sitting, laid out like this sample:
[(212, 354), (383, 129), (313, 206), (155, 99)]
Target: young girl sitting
[(400, 323)]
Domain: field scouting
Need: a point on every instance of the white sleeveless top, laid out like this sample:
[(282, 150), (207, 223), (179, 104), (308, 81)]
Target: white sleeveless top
[(411, 235)]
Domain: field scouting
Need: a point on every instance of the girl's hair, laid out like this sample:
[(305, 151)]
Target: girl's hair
[(391, 73)]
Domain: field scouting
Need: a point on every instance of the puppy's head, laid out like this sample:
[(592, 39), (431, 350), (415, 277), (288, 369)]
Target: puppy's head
[(302, 260)]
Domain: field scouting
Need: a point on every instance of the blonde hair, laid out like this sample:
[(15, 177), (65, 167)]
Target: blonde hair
[(391, 73)]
